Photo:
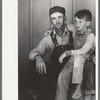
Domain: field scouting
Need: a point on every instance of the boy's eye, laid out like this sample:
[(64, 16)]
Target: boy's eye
[(75, 21), (80, 21)]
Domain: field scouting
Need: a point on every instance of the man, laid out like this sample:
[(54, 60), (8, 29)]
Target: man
[(55, 42)]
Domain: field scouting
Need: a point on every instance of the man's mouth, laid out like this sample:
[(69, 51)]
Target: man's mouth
[(58, 24)]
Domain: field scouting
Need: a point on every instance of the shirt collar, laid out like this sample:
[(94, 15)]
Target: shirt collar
[(65, 32)]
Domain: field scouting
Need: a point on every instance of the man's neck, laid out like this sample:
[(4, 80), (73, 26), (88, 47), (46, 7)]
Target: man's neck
[(60, 31)]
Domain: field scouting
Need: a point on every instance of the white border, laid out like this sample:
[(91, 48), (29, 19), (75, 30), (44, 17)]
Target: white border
[(96, 27), (9, 50)]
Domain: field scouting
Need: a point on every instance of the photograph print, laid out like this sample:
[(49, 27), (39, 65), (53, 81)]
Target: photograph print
[(57, 49)]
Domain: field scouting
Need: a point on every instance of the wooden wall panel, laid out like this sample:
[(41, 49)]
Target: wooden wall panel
[(23, 39), (88, 4), (40, 20)]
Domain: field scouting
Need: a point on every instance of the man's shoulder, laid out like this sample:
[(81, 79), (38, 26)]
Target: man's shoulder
[(48, 32)]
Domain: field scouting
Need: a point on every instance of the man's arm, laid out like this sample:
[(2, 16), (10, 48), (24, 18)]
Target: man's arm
[(37, 54), (39, 50)]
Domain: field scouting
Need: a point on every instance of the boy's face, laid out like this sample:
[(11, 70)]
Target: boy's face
[(81, 24), (57, 19)]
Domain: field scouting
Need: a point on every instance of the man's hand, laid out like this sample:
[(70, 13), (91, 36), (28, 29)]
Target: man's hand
[(40, 65), (65, 54)]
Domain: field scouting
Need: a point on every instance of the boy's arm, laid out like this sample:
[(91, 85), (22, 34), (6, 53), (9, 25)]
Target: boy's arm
[(71, 27), (90, 40)]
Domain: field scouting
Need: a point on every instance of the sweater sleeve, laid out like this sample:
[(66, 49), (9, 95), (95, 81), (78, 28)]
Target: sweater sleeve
[(90, 39)]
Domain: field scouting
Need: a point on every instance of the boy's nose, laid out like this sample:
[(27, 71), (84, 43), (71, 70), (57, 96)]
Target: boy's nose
[(77, 24)]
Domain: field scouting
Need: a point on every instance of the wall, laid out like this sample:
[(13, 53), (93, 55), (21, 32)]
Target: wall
[(23, 38), (90, 5)]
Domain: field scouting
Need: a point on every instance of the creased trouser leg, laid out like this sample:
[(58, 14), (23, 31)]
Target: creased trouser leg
[(78, 69), (63, 82)]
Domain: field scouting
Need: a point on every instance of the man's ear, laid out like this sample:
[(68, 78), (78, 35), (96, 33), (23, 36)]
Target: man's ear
[(65, 18), (88, 23), (51, 24)]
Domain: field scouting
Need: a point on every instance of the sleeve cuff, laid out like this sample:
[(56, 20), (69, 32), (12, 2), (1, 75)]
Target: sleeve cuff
[(72, 52), (32, 57)]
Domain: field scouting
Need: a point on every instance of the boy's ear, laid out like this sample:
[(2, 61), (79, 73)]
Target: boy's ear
[(88, 23)]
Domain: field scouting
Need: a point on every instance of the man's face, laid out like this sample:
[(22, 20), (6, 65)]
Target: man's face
[(57, 19), (81, 24)]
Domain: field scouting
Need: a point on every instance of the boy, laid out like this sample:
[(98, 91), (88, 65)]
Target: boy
[(83, 45)]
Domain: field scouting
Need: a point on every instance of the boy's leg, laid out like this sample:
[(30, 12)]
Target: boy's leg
[(78, 75), (77, 93), (88, 97)]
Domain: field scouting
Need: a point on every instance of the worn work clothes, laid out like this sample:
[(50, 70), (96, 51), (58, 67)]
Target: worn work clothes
[(64, 80), (47, 45), (88, 83), (83, 43)]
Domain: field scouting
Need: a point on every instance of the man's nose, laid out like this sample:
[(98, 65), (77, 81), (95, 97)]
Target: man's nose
[(57, 20)]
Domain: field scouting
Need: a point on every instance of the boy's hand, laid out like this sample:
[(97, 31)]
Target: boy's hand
[(65, 54), (71, 27), (62, 57)]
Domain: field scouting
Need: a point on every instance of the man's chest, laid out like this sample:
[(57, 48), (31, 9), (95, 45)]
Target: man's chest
[(63, 40)]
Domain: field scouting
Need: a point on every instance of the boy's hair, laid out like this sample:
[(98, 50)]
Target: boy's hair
[(84, 14)]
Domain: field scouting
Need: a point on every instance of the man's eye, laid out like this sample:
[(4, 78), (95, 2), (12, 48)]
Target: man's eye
[(60, 17), (53, 18), (80, 21)]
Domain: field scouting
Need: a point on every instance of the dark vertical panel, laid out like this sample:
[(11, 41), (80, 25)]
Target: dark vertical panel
[(74, 9), (23, 38), (0, 49), (40, 19)]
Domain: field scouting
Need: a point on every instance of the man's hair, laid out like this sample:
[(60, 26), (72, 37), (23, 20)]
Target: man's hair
[(57, 9), (84, 14)]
